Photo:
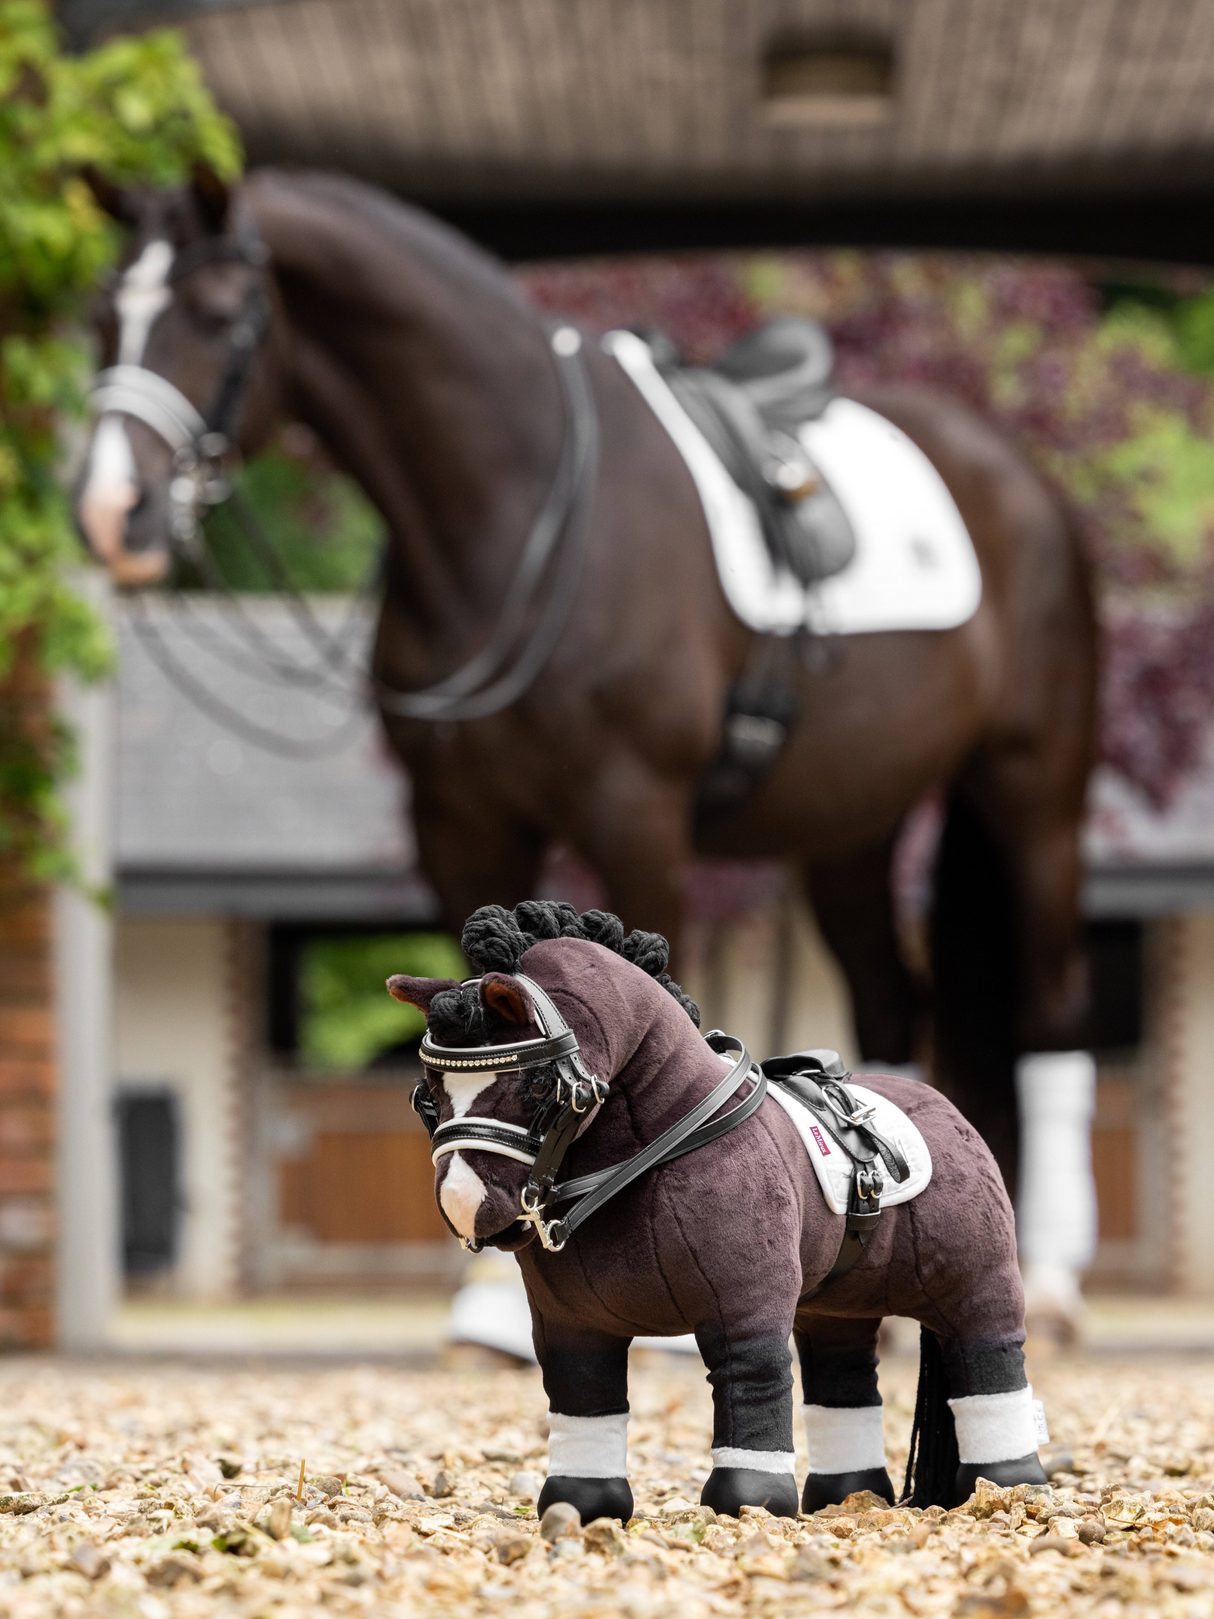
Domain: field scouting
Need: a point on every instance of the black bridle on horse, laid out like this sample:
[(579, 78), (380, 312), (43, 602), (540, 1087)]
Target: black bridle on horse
[(525, 634), (561, 1115), (199, 442)]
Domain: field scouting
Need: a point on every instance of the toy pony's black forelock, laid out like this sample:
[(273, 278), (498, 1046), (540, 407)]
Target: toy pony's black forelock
[(495, 939), (457, 1017)]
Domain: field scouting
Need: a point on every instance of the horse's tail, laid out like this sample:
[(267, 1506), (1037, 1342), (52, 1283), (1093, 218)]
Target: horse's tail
[(931, 1466), (976, 980)]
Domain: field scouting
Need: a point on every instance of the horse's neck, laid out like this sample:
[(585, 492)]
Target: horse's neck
[(417, 363)]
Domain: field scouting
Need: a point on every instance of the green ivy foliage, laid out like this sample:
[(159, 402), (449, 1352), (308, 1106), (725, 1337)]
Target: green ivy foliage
[(137, 112)]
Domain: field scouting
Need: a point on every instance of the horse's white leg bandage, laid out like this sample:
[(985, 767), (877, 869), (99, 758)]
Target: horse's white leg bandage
[(995, 1427), (757, 1461), (1056, 1212), (844, 1439), (587, 1447)]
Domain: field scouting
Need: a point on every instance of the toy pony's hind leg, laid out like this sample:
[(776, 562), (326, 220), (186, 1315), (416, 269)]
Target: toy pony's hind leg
[(992, 1407), (752, 1455), (586, 1381), (842, 1410)]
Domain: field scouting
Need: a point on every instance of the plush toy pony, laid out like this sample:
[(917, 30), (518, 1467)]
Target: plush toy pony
[(731, 1231)]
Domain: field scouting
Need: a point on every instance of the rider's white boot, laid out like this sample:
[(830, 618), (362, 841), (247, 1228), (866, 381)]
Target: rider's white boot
[(1056, 1201), (491, 1309)]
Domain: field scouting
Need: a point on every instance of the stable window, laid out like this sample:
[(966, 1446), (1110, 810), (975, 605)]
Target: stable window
[(329, 1012)]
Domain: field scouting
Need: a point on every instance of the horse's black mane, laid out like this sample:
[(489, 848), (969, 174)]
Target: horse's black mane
[(495, 939)]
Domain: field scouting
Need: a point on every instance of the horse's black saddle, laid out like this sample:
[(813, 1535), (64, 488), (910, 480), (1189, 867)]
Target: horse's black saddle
[(749, 407)]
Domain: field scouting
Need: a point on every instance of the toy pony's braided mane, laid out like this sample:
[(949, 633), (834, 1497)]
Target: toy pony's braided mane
[(495, 940)]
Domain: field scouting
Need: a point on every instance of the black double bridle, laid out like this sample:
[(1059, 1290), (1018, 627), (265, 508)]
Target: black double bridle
[(199, 442), (560, 1116), (527, 629)]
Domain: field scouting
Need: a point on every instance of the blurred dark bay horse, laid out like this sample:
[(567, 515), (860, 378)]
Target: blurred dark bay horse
[(419, 364)]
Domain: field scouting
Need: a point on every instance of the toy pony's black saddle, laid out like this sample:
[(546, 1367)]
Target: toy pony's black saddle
[(749, 407)]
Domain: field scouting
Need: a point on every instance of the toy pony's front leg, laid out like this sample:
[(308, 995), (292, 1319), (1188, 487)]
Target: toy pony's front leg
[(586, 1380), (752, 1449)]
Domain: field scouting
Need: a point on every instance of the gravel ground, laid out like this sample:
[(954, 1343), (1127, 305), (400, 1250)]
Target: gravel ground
[(157, 1491)]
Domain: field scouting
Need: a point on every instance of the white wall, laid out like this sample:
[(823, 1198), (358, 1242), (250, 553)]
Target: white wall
[(174, 1027), (88, 1277), (1184, 1028)]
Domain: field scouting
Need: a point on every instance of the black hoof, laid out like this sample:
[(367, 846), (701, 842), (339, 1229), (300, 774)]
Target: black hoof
[(593, 1497), (1021, 1470), (729, 1488), (828, 1489)]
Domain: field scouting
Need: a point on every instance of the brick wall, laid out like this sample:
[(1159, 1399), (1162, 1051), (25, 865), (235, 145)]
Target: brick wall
[(27, 1068), (27, 1115)]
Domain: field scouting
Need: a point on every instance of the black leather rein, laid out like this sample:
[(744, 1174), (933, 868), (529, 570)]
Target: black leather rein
[(560, 1117)]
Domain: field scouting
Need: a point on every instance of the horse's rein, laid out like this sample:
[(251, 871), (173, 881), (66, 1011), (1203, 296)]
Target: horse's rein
[(559, 1120)]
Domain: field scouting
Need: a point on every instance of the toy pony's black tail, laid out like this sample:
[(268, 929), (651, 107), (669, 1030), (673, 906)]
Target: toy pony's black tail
[(931, 1466)]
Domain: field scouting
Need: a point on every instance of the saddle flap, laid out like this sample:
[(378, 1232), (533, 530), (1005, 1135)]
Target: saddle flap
[(749, 408)]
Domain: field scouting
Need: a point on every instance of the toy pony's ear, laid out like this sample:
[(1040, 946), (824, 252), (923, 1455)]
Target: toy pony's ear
[(506, 996), (418, 992)]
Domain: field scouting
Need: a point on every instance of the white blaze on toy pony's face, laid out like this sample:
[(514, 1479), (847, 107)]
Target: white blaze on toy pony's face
[(479, 1191), (461, 1190), (462, 1193)]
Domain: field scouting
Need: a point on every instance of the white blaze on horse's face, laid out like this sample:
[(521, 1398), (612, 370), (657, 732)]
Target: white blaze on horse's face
[(463, 1191), (111, 487), (143, 293)]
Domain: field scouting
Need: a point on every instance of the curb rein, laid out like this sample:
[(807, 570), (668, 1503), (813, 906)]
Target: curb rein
[(561, 1117)]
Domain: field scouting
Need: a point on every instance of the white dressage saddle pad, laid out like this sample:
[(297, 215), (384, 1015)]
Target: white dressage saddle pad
[(832, 1165), (914, 567)]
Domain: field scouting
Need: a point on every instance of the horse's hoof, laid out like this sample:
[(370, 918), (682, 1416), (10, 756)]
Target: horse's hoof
[(1021, 1470), (829, 1489), (729, 1488), (593, 1497)]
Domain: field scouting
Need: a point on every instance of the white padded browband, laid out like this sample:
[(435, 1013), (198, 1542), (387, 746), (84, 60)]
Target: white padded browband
[(475, 1144)]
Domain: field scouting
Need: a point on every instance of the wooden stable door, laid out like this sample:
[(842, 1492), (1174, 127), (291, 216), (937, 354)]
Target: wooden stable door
[(364, 1175)]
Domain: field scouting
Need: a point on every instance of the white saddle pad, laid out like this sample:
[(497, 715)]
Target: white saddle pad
[(832, 1165), (914, 567)]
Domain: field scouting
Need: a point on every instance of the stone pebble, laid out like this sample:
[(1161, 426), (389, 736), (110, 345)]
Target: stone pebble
[(176, 1491)]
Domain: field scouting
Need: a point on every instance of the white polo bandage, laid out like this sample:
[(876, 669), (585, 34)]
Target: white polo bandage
[(995, 1427), (757, 1461), (844, 1439), (587, 1447), (1056, 1198)]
